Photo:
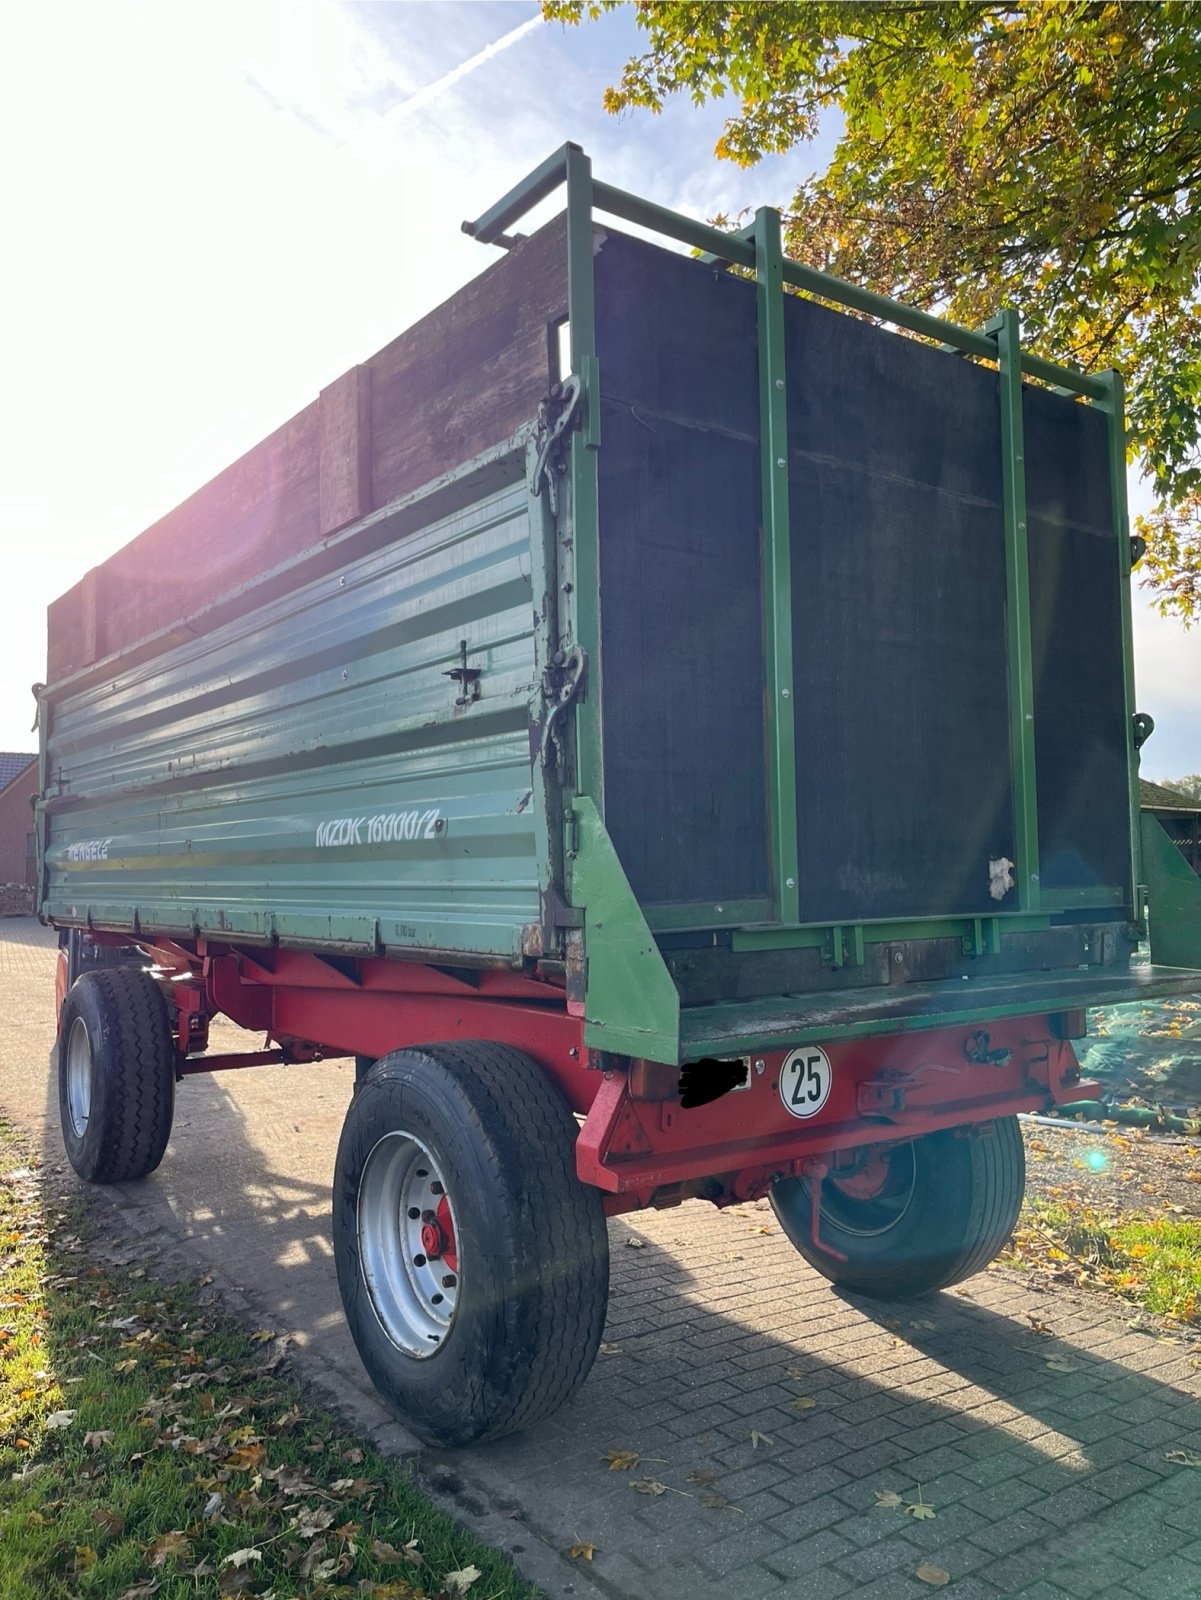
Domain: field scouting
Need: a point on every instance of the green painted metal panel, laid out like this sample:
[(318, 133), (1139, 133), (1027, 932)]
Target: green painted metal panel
[(303, 772), (632, 1005), (1173, 899)]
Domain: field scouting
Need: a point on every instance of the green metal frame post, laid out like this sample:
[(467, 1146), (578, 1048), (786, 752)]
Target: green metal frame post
[(585, 491), (777, 562), (1006, 329), (1114, 406)]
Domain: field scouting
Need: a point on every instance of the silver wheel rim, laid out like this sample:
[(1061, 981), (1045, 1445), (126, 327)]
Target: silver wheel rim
[(79, 1077), (408, 1244)]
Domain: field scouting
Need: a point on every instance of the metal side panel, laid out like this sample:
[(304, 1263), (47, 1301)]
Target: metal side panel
[(304, 772)]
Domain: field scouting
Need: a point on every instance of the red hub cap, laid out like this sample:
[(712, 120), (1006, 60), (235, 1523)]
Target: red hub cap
[(438, 1237), (866, 1180)]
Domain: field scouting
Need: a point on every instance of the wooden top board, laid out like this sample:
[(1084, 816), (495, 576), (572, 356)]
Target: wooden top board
[(462, 379)]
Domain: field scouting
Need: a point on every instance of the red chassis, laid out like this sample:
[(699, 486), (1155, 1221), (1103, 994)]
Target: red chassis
[(637, 1143)]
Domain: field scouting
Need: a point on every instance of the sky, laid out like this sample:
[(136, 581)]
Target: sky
[(212, 210)]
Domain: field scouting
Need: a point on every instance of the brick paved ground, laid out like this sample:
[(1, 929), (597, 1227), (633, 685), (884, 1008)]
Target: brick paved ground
[(1047, 1481)]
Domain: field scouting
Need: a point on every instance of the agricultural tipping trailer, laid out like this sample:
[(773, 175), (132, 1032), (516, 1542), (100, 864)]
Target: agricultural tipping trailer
[(676, 735)]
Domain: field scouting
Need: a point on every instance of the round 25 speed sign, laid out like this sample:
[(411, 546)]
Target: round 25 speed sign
[(805, 1080)]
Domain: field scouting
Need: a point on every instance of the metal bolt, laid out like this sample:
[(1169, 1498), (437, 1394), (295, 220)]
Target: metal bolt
[(719, 909), (787, 693), (449, 1281), (574, 1053), (345, 674), (1029, 716), (779, 383), (439, 824), (790, 883), (341, 583), (760, 1067), (1022, 526), (897, 957), (780, 461)]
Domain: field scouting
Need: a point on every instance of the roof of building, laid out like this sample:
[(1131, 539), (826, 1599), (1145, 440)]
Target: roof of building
[(12, 765), (1155, 797)]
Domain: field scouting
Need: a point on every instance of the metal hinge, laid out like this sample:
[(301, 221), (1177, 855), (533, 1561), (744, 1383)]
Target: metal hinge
[(561, 683), (557, 415)]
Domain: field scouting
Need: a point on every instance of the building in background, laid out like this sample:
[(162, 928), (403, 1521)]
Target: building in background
[(18, 786)]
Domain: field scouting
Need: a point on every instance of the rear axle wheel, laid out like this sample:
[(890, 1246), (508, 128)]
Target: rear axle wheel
[(905, 1219)]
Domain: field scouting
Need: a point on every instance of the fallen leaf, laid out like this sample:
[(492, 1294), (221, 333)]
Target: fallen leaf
[(169, 1546), (1058, 1364), (889, 1498), (141, 1591), (718, 1502), (60, 1419), (607, 1349), (805, 1403), (1183, 1458), (110, 1522), (701, 1477), (633, 1243), (263, 1336), (243, 1558), (246, 1457), (387, 1554), (919, 1510), (758, 1438), (648, 1486), (621, 1460), (929, 1573), (921, 1322), (99, 1437), (212, 1505), (85, 1557), (581, 1551), (459, 1582)]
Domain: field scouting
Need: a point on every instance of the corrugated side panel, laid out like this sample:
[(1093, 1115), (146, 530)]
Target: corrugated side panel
[(303, 771)]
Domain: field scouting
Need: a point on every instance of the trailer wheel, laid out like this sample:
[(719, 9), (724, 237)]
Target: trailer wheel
[(116, 1075), (911, 1218), (473, 1264)]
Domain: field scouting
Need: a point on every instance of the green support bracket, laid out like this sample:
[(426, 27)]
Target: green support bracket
[(631, 1005), (1113, 405), (1173, 900), (1006, 330), (777, 564)]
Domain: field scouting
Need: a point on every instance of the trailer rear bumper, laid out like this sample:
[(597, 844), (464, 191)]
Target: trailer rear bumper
[(641, 1138), (731, 1027)]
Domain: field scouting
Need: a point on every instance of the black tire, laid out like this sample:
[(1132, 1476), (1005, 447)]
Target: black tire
[(946, 1205), (531, 1251), (119, 1018)]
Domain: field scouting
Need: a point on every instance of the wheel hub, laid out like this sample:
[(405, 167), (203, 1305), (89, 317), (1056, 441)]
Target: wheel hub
[(408, 1245)]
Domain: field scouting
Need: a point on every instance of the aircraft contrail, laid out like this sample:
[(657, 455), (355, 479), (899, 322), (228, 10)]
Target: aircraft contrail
[(431, 91)]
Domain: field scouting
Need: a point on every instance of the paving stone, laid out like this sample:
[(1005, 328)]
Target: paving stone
[(876, 1560), (815, 1550), (1176, 1577)]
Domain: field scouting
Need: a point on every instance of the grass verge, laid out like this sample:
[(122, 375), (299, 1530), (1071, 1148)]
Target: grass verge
[(150, 1447), (1153, 1262)]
